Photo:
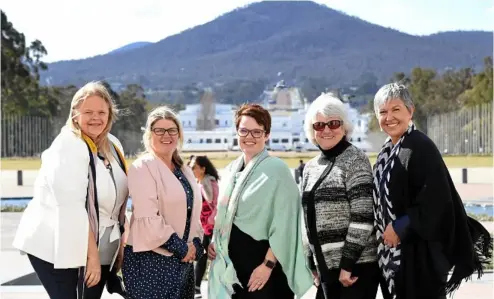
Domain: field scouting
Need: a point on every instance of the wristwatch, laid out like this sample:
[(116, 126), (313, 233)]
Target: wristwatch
[(269, 264)]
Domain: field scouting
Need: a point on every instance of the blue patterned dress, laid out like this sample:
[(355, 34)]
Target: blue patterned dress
[(150, 275)]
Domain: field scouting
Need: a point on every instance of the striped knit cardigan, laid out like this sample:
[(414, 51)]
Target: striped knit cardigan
[(344, 207)]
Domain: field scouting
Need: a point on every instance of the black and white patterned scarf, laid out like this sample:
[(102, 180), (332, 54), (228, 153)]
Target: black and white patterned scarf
[(388, 257)]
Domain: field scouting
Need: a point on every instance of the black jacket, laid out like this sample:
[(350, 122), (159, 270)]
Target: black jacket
[(439, 235)]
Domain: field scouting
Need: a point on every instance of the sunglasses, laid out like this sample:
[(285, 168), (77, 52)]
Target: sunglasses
[(332, 124)]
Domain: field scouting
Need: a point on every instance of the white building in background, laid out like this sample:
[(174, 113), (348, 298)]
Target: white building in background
[(287, 110)]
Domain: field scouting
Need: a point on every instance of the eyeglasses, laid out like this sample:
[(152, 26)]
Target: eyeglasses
[(256, 133), (161, 131), (332, 124)]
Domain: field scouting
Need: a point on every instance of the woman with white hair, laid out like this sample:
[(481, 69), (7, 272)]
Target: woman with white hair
[(72, 228), (337, 201), (165, 227), (422, 228)]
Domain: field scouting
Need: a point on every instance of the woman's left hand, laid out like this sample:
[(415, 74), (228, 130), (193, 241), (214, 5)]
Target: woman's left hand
[(259, 278), (390, 237)]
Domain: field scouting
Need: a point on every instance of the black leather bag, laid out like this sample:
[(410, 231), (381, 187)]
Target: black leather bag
[(115, 285)]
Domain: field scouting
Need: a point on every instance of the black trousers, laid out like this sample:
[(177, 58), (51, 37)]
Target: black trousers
[(202, 263), (62, 283), (364, 288)]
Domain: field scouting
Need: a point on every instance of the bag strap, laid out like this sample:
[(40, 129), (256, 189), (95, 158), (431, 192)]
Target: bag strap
[(311, 223), (92, 165), (117, 154)]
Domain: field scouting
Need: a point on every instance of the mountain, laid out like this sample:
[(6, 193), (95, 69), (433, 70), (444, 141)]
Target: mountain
[(131, 46), (298, 38)]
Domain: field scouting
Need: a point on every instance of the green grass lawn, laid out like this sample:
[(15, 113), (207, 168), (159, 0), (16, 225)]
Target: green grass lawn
[(220, 160)]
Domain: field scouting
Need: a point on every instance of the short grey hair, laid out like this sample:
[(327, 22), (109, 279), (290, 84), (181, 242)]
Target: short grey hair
[(330, 106), (392, 91)]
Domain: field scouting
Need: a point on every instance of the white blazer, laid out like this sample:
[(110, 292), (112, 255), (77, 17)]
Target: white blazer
[(55, 226)]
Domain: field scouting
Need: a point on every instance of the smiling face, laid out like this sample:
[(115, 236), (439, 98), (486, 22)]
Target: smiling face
[(328, 138), (164, 137), (92, 116), (251, 145), (394, 118)]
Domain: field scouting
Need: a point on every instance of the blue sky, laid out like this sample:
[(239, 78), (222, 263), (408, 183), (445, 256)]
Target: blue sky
[(73, 29)]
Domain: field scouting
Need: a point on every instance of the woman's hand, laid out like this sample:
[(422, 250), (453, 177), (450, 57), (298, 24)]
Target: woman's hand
[(211, 252), (93, 269), (119, 260), (346, 278), (390, 237), (316, 278), (259, 278), (191, 253)]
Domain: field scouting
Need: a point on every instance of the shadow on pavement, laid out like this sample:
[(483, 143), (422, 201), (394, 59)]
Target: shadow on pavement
[(26, 280)]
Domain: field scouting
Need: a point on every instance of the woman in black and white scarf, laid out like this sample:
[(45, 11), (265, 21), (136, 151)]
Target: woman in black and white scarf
[(422, 227)]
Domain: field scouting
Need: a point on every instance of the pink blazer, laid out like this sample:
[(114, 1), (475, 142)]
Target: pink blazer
[(159, 205)]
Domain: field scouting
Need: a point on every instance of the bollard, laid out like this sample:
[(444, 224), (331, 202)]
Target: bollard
[(19, 177), (464, 176)]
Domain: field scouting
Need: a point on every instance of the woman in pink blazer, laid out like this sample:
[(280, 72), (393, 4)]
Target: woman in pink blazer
[(165, 228), (207, 178)]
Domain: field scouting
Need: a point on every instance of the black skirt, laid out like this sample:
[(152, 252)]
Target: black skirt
[(247, 254)]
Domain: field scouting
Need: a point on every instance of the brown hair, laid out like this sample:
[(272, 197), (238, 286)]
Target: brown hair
[(257, 112)]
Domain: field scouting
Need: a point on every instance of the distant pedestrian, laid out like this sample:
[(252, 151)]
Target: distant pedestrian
[(301, 167), (207, 179)]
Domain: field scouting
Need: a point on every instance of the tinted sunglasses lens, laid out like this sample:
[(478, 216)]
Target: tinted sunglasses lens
[(318, 126), (334, 124)]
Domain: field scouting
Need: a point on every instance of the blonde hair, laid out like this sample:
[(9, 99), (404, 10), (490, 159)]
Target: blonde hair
[(159, 113), (94, 89)]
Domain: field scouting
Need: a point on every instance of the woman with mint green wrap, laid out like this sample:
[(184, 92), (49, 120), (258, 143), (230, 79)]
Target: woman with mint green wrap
[(257, 248)]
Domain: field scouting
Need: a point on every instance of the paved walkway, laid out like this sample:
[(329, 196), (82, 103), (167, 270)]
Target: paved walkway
[(14, 265), (482, 192), (479, 289)]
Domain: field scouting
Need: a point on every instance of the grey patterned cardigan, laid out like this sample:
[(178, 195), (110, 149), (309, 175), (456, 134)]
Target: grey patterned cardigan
[(344, 207)]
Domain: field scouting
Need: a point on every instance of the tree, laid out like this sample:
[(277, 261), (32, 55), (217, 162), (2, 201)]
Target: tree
[(21, 67), (133, 108), (421, 88), (15, 74), (481, 91)]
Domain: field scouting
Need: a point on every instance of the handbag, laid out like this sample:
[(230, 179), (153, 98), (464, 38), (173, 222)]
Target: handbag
[(115, 284), (308, 197)]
